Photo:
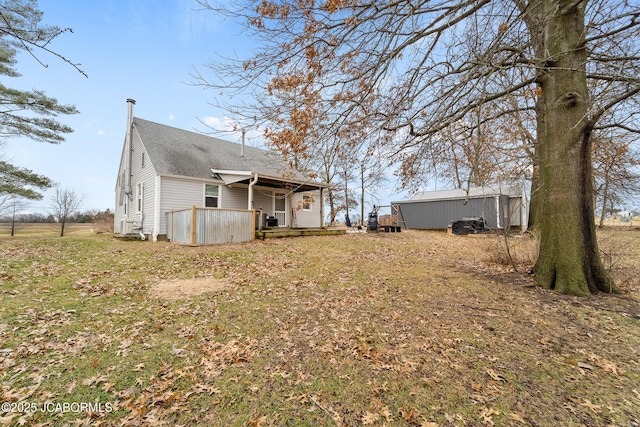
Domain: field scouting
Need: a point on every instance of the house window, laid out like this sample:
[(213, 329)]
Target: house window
[(140, 193), (307, 202), (211, 194), (142, 163)]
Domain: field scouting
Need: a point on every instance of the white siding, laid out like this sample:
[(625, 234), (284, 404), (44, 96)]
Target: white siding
[(139, 175), (178, 193), (307, 218), (145, 175), (234, 198), (263, 200), (118, 212)]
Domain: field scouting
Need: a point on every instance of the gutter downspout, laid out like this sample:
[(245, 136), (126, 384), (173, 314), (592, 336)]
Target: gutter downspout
[(250, 195)]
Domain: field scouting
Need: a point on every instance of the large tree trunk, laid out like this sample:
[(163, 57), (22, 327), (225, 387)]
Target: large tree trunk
[(332, 207), (569, 261), (534, 205)]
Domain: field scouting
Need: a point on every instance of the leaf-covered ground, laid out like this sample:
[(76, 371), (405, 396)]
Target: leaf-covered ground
[(398, 329)]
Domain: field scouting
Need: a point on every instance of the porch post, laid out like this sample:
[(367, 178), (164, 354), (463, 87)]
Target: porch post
[(321, 208)]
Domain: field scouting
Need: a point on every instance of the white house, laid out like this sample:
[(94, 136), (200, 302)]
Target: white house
[(163, 169)]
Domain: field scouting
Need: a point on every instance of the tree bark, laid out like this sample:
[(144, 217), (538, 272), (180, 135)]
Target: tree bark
[(534, 205), (332, 207), (569, 260)]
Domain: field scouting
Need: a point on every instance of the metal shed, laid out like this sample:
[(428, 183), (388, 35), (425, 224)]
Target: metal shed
[(500, 206)]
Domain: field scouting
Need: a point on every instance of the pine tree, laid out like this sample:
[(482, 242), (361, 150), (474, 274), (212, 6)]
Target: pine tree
[(30, 114)]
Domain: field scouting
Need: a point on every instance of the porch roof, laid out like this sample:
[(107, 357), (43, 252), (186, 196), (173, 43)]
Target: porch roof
[(265, 180)]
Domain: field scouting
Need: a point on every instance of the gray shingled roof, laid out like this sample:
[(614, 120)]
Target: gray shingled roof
[(179, 152)]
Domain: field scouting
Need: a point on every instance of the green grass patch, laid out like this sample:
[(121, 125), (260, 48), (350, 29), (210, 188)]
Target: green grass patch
[(402, 329)]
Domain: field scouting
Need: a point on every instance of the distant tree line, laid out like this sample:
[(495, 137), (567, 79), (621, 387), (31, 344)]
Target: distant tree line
[(80, 217)]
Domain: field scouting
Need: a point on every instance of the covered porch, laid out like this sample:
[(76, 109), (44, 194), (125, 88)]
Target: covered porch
[(282, 202)]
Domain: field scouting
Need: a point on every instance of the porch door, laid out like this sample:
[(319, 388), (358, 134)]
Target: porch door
[(280, 208)]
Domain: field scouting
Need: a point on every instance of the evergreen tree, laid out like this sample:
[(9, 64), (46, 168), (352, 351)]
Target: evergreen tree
[(27, 113)]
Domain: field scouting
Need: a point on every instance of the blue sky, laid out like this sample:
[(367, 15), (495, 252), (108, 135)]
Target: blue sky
[(140, 49)]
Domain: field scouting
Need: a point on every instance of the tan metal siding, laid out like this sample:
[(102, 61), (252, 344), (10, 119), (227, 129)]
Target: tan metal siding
[(223, 226), (212, 225)]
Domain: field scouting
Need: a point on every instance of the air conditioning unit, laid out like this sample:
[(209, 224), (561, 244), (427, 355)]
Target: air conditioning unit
[(127, 226)]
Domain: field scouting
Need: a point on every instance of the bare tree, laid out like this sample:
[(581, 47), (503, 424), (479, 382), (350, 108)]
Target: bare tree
[(417, 67), (11, 205), (63, 204), (616, 171)]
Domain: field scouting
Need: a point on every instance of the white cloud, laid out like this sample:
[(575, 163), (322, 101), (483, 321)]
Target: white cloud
[(211, 121), (172, 117), (101, 132)]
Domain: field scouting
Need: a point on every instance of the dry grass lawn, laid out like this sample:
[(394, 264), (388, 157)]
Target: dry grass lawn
[(398, 329)]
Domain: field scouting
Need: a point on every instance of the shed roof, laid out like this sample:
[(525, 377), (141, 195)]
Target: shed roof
[(511, 190), (174, 151)]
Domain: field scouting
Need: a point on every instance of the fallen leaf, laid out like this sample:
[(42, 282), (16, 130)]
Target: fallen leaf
[(495, 376), (487, 415), (585, 366), (517, 417), (595, 408), (411, 415), (386, 413), (369, 418), (125, 343), (609, 366), (178, 352)]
